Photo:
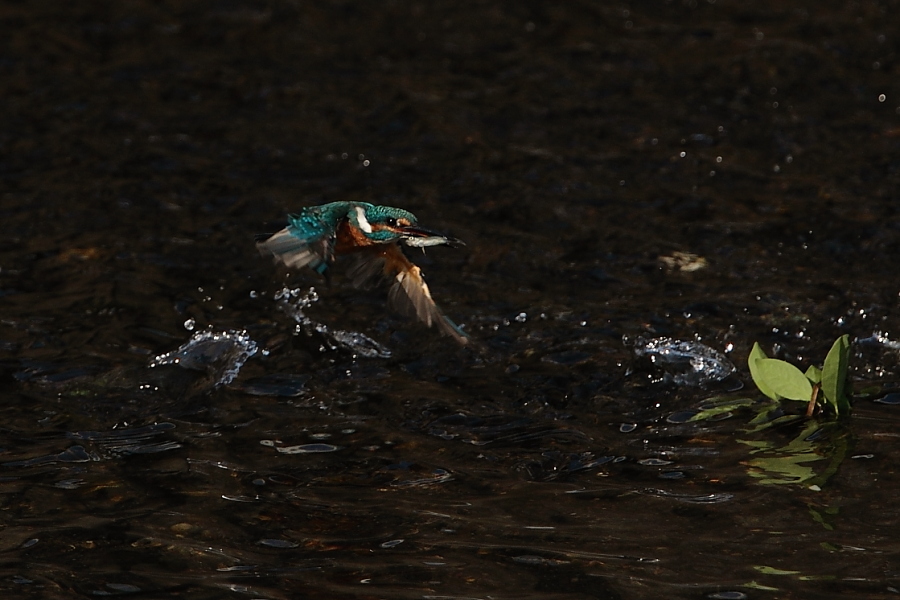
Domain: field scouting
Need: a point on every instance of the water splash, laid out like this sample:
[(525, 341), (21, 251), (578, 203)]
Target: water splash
[(293, 301), (220, 353), (880, 338), (685, 362)]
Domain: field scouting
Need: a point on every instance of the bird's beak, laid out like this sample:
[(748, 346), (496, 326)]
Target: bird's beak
[(420, 238)]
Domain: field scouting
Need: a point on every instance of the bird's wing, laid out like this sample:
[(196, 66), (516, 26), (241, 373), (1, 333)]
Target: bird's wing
[(409, 294), (308, 241)]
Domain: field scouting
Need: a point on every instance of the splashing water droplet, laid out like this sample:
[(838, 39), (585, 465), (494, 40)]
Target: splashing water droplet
[(221, 353), (688, 363), (292, 304)]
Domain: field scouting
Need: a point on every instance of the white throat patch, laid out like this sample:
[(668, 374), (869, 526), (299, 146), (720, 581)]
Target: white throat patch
[(362, 221)]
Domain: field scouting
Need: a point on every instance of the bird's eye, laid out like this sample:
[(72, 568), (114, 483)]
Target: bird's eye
[(391, 222)]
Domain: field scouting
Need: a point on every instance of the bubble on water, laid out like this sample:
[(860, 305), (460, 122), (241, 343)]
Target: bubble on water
[(190, 324), (220, 353), (521, 317), (254, 294), (729, 595), (302, 448), (682, 416), (685, 362)]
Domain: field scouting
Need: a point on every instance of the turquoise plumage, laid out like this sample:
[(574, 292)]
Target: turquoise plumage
[(317, 234)]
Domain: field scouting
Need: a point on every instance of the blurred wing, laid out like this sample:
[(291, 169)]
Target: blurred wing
[(408, 294), (307, 241)]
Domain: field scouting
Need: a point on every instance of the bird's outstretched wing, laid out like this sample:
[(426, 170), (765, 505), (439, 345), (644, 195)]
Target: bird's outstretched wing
[(408, 293), (308, 240)]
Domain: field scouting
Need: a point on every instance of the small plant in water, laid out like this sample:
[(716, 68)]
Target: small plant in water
[(827, 389)]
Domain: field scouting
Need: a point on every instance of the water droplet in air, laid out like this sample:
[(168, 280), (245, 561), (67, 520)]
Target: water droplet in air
[(686, 362), (220, 353), (190, 324)]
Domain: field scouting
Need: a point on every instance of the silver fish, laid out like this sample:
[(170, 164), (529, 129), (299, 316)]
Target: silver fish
[(432, 240)]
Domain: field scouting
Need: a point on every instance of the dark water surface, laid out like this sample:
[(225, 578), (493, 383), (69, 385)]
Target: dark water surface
[(713, 172)]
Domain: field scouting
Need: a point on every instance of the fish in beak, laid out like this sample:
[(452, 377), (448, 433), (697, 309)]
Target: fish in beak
[(418, 237)]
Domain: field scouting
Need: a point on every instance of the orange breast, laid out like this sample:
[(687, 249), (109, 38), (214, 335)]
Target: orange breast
[(350, 239)]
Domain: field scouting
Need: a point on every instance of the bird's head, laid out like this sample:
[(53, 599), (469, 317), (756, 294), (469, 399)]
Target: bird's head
[(385, 224)]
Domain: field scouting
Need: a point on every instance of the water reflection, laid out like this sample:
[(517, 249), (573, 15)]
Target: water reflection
[(614, 170)]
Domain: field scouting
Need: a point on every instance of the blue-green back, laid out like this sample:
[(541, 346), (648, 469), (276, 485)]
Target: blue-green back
[(315, 222)]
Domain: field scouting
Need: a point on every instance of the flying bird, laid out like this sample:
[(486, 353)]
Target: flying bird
[(316, 235)]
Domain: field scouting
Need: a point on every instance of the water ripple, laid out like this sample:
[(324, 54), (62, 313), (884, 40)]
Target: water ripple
[(714, 498)]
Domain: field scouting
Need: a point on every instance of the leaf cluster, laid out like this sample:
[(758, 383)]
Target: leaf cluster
[(827, 388)]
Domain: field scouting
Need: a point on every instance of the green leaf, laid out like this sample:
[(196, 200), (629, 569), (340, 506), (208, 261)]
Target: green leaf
[(756, 353), (834, 375), (814, 374), (784, 379)]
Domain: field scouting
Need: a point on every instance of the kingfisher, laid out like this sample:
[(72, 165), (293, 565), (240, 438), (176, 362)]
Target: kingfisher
[(372, 234)]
